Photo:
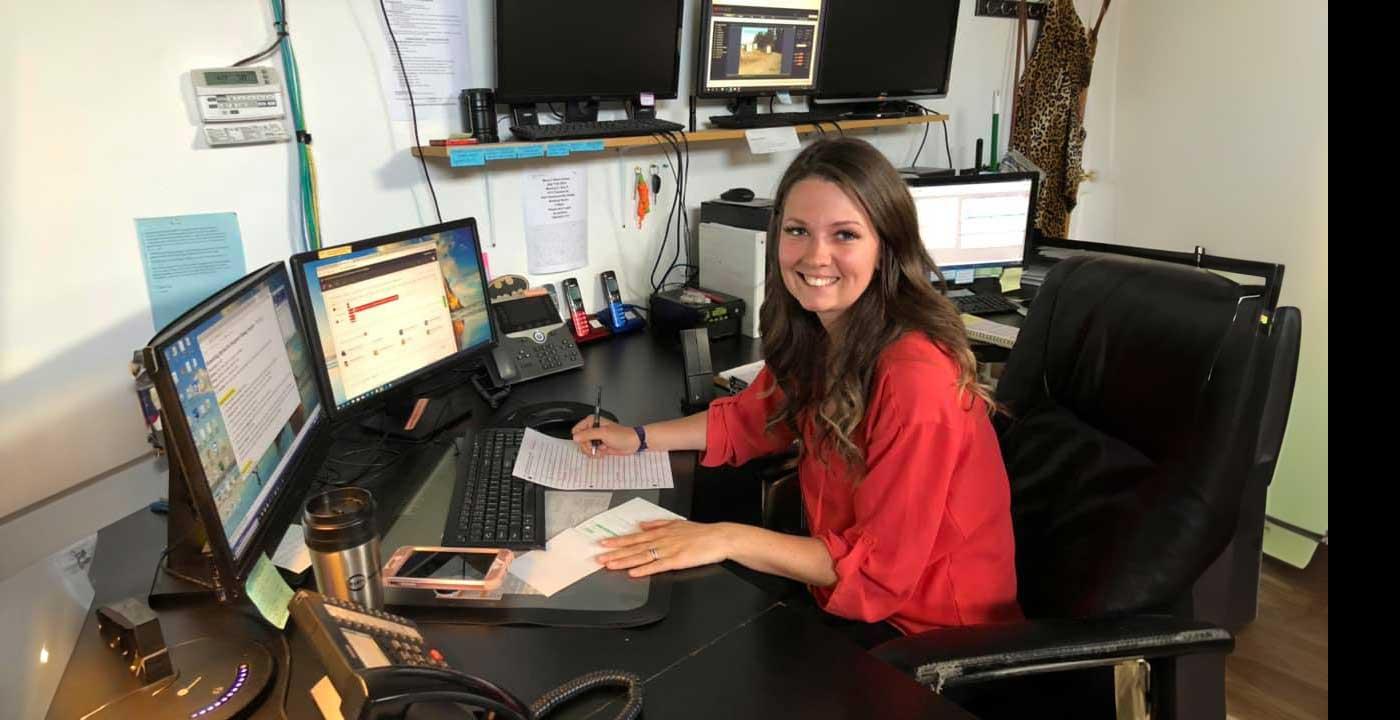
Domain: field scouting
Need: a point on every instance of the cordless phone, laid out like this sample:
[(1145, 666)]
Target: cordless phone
[(573, 300), (613, 296)]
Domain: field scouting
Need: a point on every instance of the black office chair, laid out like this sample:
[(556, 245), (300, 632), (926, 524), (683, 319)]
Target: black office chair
[(1145, 398)]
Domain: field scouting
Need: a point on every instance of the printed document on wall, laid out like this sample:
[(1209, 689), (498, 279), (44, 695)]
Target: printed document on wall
[(432, 38), (556, 221), (187, 258)]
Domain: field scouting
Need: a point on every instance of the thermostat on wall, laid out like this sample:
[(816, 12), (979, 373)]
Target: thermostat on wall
[(238, 94)]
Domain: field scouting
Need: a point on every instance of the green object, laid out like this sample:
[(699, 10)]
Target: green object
[(269, 592), (996, 120)]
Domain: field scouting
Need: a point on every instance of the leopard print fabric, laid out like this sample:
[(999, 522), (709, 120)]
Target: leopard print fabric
[(1048, 125)]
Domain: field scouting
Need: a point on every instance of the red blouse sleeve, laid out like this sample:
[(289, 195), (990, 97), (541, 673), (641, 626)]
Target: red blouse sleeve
[(734, 432)]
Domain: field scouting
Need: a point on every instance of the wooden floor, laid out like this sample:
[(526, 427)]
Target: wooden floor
[(1279, 668)]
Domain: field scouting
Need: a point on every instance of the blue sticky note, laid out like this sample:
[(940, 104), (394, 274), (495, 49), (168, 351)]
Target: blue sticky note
[(466, 157), (501, 153), (270, 594), (529, 151), (586, 146), (187, 258), (557, 150)]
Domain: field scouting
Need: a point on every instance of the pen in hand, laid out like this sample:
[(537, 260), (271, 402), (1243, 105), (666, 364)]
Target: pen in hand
[(598, 416)]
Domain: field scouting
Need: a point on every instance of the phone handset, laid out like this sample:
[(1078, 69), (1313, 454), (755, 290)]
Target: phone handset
[(613, 295), (573, 300), (501, 367), (379, 665)]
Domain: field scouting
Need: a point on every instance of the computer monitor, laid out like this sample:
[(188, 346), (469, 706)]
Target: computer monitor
[(385, 313), (752, 48), (552, 51), (975, 225), (239, 401), (878, 50)]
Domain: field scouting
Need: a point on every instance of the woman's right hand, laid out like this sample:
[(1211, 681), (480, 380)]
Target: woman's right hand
[(614, 439)]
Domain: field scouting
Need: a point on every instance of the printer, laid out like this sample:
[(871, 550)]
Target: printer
[(733, 244)]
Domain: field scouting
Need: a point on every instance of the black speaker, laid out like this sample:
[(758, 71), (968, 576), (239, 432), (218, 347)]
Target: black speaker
[(479, 114), (699, 372)]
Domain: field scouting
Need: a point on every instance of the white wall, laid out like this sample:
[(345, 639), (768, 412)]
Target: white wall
[(97, 129), (1217, 136)]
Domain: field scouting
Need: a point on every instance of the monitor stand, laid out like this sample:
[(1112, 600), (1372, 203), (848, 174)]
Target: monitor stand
[(524, 115), (581, 111), (186, 569), (419, 416), (744, 105)]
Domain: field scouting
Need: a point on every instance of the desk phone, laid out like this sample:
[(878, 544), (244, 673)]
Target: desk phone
[(377, 666), (533, 343)]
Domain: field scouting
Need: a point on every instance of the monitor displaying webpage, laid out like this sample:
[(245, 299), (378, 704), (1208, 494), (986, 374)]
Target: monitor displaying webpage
[(969, 225), (754, 46), (248, 393), (388, 311)]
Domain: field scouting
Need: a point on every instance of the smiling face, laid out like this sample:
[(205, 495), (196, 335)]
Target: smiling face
[(827, 250)]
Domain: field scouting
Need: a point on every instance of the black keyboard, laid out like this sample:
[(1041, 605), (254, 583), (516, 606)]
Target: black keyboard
[(595, 129), (777, 119), (988, 304), (489, 507)]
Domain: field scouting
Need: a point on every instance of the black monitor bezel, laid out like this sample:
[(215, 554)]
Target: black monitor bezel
[(231, 570), (703, 35), (983, 178), (505, 95), (819, 95), (313, 331)]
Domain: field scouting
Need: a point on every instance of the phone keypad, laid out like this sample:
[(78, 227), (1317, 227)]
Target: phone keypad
[(394, 633)]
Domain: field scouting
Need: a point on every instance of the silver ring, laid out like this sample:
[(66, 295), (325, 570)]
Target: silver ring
[(654, 555)]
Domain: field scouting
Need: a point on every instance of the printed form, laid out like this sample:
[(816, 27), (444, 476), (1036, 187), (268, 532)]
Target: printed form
[(558, 464)]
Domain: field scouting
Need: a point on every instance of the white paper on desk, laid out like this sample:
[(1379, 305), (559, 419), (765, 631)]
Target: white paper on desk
[(556, 221), (558, 464), (568, 557), (292, 552), (990, 332), (748, 373), (763, 141)]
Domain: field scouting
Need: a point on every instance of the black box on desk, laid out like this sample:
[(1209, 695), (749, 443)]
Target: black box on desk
[(751, 215), (690, 307)]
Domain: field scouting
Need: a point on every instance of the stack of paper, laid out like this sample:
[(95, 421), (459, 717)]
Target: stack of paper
[(992, 333), (569, 557)]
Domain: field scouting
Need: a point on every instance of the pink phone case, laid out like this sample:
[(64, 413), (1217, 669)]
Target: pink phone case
[(494, 575)]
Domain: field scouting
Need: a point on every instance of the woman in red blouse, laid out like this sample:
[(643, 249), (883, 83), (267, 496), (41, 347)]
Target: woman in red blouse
[(868, 366)]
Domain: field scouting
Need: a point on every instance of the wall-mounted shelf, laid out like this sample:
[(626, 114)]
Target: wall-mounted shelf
[(508, 150)]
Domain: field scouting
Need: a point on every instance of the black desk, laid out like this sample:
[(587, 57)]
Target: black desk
[(726, 649)]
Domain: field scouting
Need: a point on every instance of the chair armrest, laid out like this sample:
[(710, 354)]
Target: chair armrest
[(958, 656)]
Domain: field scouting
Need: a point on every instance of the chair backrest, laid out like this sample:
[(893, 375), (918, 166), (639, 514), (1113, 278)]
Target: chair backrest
[(1136, 401)]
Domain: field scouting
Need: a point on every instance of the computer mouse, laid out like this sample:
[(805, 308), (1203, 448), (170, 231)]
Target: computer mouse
[(737, 195)]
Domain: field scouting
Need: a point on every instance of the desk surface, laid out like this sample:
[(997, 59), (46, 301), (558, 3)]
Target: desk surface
[(726, 648)]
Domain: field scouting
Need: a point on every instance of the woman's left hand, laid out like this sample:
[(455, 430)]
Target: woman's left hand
[(667, 545)]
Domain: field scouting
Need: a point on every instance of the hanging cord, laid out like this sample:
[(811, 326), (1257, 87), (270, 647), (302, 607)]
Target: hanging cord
[(412, 107), (306, 160), (675, 205), (281, 26)]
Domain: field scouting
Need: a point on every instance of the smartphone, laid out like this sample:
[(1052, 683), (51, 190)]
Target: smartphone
[(444, 568)]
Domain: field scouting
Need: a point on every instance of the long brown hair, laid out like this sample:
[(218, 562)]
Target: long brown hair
[(829, 379)]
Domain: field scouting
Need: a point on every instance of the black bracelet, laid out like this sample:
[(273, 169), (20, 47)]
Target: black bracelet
[(641, 437)]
